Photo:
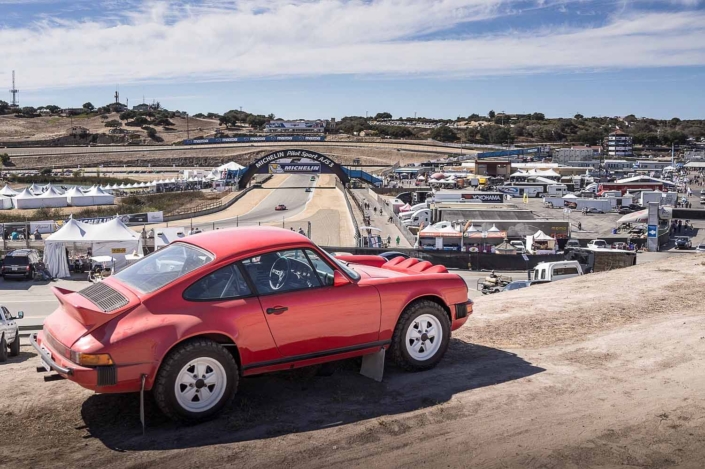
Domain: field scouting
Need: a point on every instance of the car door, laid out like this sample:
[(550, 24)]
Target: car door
[(306, 313), (7, 325)]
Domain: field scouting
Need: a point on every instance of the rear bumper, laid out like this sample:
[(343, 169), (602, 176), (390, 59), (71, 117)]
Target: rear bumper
[(126, 378), (461, 313)]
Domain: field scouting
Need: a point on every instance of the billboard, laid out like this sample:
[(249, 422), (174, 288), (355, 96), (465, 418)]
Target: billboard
[(283, 138), (296, 125), (484, 198), (149, 217), (283, 168)]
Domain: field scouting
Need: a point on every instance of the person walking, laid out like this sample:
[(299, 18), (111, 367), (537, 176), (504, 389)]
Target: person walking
[(389, 240), (398, 240)]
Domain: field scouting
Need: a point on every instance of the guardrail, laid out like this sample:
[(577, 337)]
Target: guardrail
[(344, 189), (408, 235)]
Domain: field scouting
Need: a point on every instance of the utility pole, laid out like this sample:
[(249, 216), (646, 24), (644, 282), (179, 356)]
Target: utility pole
[(14, 91)]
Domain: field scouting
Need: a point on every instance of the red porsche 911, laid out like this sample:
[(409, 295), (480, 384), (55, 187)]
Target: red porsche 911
[(190, 320)]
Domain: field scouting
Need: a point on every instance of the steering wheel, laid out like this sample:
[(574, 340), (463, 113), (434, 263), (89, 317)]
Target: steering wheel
[(279, 273)]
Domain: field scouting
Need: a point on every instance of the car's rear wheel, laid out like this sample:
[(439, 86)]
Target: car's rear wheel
[(3, 349), (421, 336), (15, 346), (196, 380)]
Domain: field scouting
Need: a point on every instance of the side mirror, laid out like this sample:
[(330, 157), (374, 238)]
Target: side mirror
[(20, 314), (339, 279)]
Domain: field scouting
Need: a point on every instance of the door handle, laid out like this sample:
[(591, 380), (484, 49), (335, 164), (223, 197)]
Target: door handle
[(277, 310)]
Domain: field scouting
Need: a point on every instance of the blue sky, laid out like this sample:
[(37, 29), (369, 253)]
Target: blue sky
[(330, 58)]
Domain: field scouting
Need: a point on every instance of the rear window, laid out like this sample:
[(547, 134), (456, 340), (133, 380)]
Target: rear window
[(163, 267), (16, 260)]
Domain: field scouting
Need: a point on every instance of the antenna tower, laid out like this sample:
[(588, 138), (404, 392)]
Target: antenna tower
[(14, 91)]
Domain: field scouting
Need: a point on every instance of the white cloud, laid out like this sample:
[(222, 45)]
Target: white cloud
[(223, 40)]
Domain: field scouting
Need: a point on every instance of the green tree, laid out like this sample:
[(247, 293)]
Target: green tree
[(538, 116), (5, 159), (383, 115), (45, 172), (578, 116), (113, 123), (256, 122), (496, 134), (474, 117), (444, 134), (89, 107), (4, 107), (151, 132), (127, 115), (491, 114)]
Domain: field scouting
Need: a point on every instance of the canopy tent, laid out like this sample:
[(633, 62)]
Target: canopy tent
[(56, 189), (98, 196), (76, 198), (36, 189), (25, 199), (642, 216), (505, 248), (112, 238), (5, 203), (52, 198), (8, 191), (541, 236)]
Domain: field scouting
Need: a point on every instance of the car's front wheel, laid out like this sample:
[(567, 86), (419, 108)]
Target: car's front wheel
[(196, 380), (421, 336), (15, 346)]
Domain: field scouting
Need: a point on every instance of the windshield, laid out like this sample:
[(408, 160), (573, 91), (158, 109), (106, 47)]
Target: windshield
[(163, 267), (343, 266), (16, 260)]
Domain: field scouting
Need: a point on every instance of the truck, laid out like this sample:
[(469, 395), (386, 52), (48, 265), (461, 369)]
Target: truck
[(418, 217), (408, 214), (467, 196), (545, 272), (518, 189)]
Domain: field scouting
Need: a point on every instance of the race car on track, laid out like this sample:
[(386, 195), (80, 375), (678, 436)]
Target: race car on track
[(280, 207), (190, 320)]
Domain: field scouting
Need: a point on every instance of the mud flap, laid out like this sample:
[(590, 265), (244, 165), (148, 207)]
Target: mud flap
[(373, 365)]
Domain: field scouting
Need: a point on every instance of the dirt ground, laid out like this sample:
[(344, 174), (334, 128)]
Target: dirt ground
[(602, 371)]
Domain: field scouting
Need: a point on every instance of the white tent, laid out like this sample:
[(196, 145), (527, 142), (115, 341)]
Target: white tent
[(57, 190), (51, 198), (25, 199), (541, 236), (76, 198), (99, 197), (5, 203), (112, 239), (36, 189), (8, 191)]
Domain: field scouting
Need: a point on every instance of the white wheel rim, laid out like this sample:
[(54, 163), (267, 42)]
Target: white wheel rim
[(200, 384), (424, 337)]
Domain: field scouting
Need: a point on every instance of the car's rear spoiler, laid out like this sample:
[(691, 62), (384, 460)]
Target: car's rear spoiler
[(82, 309)]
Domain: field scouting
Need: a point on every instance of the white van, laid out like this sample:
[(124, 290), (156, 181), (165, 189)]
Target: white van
[(551, 271)]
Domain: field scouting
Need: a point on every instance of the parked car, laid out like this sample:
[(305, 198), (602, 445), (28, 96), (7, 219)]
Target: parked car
[(625, 211), (280, 207), (700, 248), (683, 242), (571, 244), (392, 254), (598, 243), (9, 334), (593, 210), (21, 263), (620, 245), (636, 207), (272, 301), (517, 284), (309, 189)]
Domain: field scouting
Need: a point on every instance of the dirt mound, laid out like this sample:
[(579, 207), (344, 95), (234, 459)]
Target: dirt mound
[(568, 310)]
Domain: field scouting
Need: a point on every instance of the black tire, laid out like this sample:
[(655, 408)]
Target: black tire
[(15, 346), (400, 355), (3, 349), (179, 357)]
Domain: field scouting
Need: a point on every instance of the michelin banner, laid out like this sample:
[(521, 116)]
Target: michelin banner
[(284, 168), (282, 138)]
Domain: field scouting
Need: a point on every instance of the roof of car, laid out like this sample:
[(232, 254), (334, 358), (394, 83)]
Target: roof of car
[(231, 241)]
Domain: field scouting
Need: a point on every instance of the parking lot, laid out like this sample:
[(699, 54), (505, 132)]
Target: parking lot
[(537, 378)]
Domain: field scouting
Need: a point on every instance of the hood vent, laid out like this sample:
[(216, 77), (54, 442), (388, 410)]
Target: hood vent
[(104, 296)]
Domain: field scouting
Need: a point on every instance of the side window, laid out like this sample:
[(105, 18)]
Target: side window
[(543, 274), (224, 283), (2, 314), (323, 270), (281, 271)]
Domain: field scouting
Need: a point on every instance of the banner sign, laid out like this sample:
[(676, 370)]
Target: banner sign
[(570, 205), (484, 198), (133, 218), (272, 138), (282, 168), (44, 227)]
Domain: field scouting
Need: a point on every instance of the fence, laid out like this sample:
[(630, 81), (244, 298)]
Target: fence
[(408, 235), (346, 194)]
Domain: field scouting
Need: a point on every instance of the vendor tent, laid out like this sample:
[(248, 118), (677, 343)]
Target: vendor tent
[(5, 203), (25, 199), (52, 198), (8, 191), (541, 236), (76, 198), (112, 238), (36, 189), (98, 196)]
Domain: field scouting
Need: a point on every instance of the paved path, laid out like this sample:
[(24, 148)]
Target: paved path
[(379, 219)]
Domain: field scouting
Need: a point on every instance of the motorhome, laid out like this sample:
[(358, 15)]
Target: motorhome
[(552, 271), (407, 214)]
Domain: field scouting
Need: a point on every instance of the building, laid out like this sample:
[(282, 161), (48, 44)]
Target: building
[(44, 112), (141, 107), (501, 168), (295, 127), (568, 155), (618, 144)]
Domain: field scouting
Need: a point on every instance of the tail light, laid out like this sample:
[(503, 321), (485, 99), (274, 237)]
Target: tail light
[(26, 268)]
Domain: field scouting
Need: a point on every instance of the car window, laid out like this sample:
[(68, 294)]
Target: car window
[(16, 260), (324, 271), (543, 274), (163, 267), (227, 282), (281, 271), (2, 314)]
